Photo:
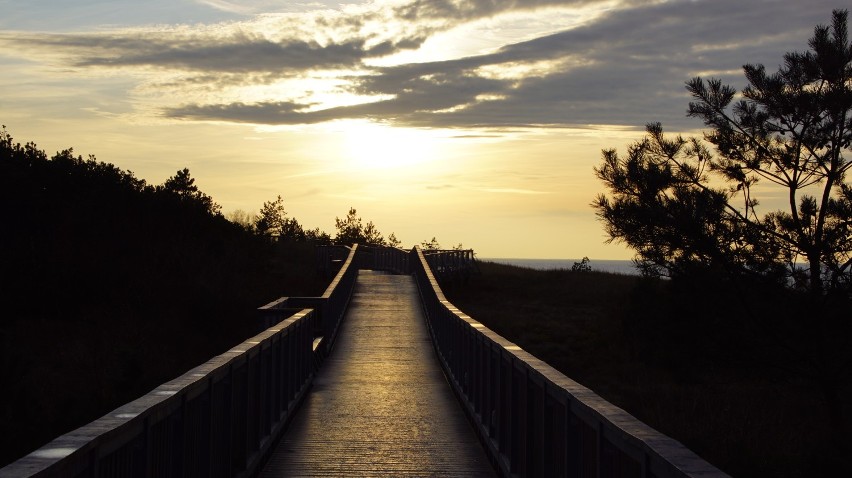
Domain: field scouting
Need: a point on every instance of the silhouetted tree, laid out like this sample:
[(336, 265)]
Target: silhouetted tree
[(680, 206), (272, 221), (242, 218), (317, 236), (183, 186), (371, 235), (392, 241), (432, 245), (351, 230), (272, 218)]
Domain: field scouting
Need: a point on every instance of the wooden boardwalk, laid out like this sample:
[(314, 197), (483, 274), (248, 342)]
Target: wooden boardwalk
[(380, 405)]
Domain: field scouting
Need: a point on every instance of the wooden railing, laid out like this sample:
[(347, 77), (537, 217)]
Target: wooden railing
[(451, 263), (534, 420), (217, 420), (329, 259), (331, 306), (391, 259)]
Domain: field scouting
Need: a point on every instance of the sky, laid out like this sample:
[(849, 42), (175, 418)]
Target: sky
[(472, 121)]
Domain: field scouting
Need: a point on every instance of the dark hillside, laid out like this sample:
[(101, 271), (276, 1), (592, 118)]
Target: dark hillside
[(111, 286)]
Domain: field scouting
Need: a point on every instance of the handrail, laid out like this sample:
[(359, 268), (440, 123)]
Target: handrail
[(331, 305), (217, 420), (451, 263), (532, 419), (391, 259), (329, 256), (383, 258)]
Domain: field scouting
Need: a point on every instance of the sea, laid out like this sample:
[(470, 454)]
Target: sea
[(601, 265)]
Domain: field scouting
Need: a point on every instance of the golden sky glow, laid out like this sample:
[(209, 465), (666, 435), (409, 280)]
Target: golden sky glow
[(473, 122)]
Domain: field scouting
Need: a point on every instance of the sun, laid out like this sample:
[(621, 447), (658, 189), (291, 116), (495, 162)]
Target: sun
[(373, 146)]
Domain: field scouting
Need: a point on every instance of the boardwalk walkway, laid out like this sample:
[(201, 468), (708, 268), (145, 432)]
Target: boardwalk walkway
[(380, 405)]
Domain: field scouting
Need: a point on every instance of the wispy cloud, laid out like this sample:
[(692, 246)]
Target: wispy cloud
[(240, 52), (448, 10), (244, 7)]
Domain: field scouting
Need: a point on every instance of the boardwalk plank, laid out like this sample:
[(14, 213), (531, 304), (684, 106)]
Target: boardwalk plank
[(380, 406)]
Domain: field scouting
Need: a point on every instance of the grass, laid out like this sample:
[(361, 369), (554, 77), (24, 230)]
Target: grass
[(684, 363)]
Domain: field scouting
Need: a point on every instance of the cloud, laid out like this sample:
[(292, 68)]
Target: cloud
[(627, 67), (271, 42), (624, 66), (466, 10), (413, 102), (242, 8), (261, 113), (238, 52), (82, 15)]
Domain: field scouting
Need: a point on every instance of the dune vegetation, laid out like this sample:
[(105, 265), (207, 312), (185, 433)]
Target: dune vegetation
[(689, 357)]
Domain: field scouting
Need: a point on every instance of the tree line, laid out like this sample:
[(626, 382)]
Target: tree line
[(274, 223)]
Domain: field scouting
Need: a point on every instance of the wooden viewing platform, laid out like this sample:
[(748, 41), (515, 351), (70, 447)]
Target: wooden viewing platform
[(380, 405)]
